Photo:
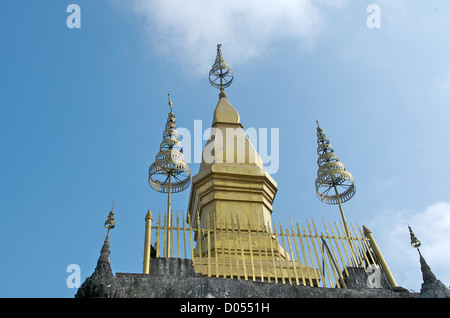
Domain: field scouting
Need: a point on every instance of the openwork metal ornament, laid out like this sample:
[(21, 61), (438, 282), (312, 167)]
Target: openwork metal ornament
[(331, 175), (414, 241), (221, 75), (170, 173), (427, 274), (109, 223)]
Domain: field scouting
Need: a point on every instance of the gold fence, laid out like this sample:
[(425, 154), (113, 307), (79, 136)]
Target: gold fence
[(240, 250)]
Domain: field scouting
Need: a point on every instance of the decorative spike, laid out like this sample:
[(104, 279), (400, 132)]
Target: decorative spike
[(221, 75), (170, 103), (414, 241), (331, 173), (109, 223), (104, 253), (170, 161), (169, 173)]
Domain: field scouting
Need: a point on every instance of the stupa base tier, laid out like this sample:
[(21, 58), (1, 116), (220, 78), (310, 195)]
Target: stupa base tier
[(283, 271)]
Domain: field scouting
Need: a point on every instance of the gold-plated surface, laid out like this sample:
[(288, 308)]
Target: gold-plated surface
[(220, 75), (232, 185), (235, 248), (169, 173), (147, 242), (170, 162), (109, 223), (331, 175)]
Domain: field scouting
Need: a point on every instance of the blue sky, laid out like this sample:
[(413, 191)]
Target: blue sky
[(82, 113)]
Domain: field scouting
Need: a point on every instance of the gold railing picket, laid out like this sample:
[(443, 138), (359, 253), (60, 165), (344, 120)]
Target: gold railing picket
[(304, 253), (292, 258), (229, 248), (325, 264), (251, 250), (259, 238), (355, 241), (321, 271), (334, 258), (270, 235), (341, 239), (199, 244), (351, 247), (222, 247), (286, 257), (184, 233), (216, 248), (266, 253), (178, 237), (339, 250), (244, 265), (158, 228), (364, 256), (298, 255), (310, 254), (236, 248), (165, 250), (208, 233), (279, 254), (190, 229)]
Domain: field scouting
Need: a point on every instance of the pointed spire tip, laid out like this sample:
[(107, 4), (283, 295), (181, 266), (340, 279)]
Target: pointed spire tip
[(170, 102)]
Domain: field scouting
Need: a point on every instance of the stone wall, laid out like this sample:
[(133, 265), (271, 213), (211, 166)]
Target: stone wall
[(175, 278)]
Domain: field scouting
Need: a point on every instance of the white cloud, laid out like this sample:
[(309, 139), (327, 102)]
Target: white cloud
[(432, 228), (187, 32)]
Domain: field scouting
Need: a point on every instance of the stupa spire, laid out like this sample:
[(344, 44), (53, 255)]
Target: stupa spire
[(102, 282), (104, 252), (427, 274)]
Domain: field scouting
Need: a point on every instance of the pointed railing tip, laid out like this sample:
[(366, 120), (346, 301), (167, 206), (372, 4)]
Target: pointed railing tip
[(149, 215), (366, 231)]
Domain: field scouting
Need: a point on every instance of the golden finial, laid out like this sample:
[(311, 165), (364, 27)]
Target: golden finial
[(109, 223), (169, 173), (170, 161), (221, 75), (332, 175), (170, 103), (414, 241)]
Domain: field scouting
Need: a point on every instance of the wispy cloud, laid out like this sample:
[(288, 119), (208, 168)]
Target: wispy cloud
[(431, 227), (187, 32)]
